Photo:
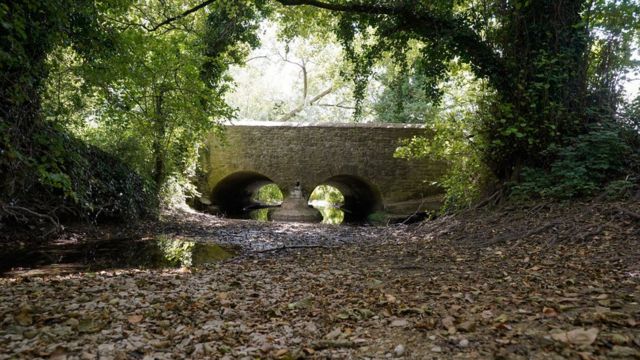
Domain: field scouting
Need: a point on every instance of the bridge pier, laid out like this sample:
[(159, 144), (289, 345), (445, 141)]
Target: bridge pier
[(295, 208)]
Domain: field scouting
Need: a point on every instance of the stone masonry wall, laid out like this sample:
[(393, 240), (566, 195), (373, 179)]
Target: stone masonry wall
[(312, 153)]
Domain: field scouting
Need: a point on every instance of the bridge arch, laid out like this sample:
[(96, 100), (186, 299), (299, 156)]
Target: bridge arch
[(361, 197), (235, 192)]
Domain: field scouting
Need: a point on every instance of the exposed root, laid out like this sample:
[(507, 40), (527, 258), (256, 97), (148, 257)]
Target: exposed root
[(22, 214)]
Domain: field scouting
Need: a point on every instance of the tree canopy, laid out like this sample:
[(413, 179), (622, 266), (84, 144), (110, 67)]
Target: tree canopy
[(145, 80)]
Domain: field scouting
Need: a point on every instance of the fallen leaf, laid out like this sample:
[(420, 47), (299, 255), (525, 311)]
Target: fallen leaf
[(580, 337), (549, 312), (134, 319), (399, 323)]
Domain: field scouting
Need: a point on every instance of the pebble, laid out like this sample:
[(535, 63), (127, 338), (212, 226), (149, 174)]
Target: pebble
[(399, 350), (436, 349), (463, 343)]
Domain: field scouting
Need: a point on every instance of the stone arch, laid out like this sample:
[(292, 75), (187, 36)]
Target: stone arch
[(361, 197), (234, 192)]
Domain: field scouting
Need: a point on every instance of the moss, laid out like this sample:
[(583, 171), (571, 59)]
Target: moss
[(378, 218)]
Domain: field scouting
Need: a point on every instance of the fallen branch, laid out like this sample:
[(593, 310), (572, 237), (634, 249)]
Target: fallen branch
[(628, 212), (584, 237), (291, 247), (415, 213), (512, 237), (494, 197)]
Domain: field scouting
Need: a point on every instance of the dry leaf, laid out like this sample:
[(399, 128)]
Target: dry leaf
[(134, 319), (549, 312), (580, 337)]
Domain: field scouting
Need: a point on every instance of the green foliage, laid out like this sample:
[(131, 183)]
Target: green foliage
[(404, 98), (327, 193), (176, 252), (331, 215), (622, 189), (269, 194), (592, 162), (450, 138), (53, 174), (160, 93)]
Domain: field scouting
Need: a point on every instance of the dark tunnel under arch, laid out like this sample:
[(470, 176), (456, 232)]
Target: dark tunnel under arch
[(361, 198), (234, 192)]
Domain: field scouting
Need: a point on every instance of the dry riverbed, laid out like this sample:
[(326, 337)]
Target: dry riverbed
[(543, 282)]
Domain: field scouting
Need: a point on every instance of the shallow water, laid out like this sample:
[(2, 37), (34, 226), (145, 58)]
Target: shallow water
[(160, 252), (330, 214)]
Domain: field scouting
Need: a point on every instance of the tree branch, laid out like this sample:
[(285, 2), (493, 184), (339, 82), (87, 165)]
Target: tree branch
[(359, 8), (484, 59), (182, 15), (293, 112)]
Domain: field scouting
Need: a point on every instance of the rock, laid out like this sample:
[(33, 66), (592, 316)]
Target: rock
[(399, 350), (436, 349), (463, 343)]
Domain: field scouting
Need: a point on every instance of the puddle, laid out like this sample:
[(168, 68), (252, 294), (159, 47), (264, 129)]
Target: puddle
[(162, 251), (330, 214)]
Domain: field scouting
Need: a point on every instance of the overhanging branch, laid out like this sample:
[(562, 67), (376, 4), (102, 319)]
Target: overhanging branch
[(485, 61), (182, 15), (358, 8)]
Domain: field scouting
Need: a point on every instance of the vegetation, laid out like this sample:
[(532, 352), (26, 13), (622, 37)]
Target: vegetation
[(269, 194), (104, 104)]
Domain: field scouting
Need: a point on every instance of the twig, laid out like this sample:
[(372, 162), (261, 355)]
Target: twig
[(291, 247), (414, 213), (591, 233), (487, 200)]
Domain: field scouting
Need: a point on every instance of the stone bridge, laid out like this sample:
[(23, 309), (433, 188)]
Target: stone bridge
[(357, 159)]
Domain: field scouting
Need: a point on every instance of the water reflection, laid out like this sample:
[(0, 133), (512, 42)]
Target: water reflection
[(260, 214), (330, 214)]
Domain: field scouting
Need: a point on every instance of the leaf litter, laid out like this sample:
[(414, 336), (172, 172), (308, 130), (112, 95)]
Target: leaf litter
[(448, 288)]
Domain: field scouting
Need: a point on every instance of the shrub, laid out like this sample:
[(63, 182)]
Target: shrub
[(582, 168), (59, 176)]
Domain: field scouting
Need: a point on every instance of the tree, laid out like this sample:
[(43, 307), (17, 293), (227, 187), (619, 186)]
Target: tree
[(532, 52), (160, 93), (290, 78), (49, 172)]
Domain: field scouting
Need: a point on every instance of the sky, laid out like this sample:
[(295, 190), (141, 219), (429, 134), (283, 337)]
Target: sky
[(267, 81)]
